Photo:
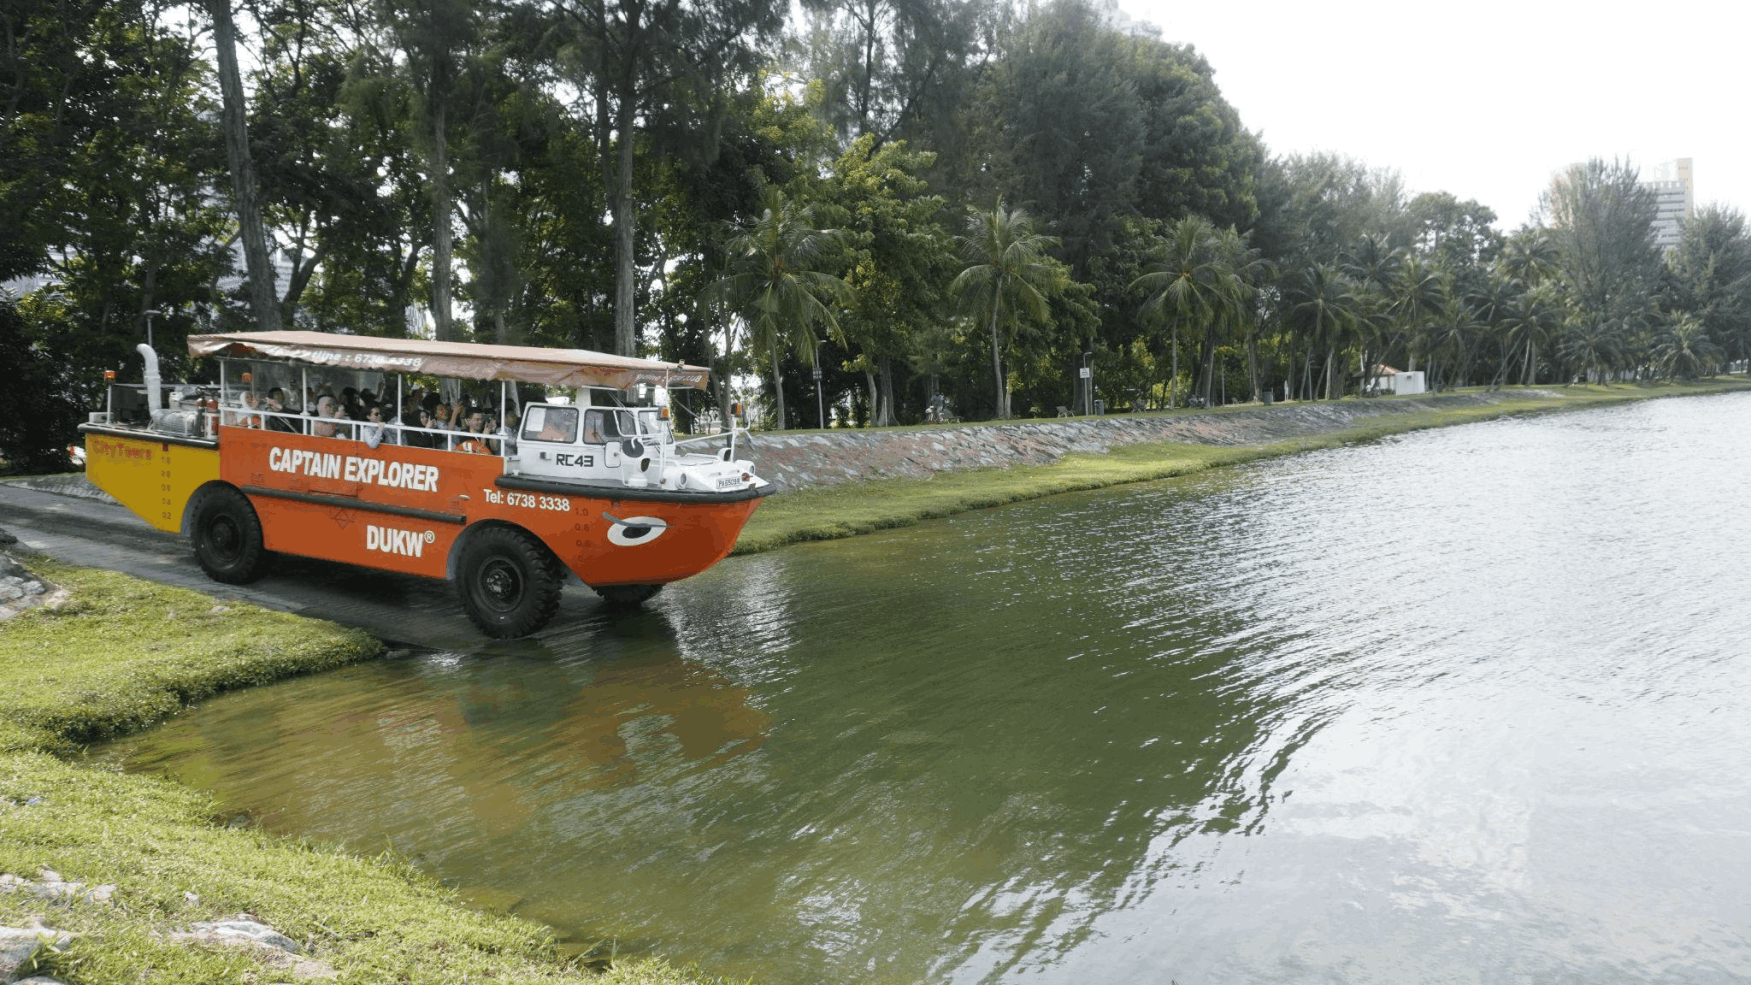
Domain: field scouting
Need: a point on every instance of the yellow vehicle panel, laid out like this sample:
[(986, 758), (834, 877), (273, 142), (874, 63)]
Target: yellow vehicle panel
[(153, 478)]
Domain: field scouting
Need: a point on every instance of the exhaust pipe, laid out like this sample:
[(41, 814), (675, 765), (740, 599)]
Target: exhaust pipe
[(154, 383)]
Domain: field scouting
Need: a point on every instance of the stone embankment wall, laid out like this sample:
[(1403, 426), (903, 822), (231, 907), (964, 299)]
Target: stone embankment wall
[(830, 458)]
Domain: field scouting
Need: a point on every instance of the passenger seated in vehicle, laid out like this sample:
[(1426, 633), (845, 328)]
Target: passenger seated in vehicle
[(374, 432), (458, 424), (276, 405), (473, 438), (242, 417), (441, 421), (342, 430), (410, 418), (422, 438), (325, 415), (506, 440)]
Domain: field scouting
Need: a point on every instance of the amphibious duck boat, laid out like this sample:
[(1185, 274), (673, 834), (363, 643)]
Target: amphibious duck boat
[(595, 484)]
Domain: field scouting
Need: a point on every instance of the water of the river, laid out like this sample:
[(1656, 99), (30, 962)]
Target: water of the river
[(1470, 705)]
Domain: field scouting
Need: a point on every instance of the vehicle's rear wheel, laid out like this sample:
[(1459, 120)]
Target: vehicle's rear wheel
[(508, 582), (227, 536), (626, 596)]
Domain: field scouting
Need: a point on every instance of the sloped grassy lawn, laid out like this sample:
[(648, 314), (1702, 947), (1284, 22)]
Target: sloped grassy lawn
[(126, 653)]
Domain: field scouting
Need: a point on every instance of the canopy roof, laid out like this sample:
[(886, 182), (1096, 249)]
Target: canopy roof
[(463, 360)]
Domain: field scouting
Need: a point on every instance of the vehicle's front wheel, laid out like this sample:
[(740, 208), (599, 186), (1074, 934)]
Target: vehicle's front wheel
[(626, 596), (227, 536), (509, 583)]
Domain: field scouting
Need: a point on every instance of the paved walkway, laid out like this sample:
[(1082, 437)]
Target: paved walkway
[(71, 526)]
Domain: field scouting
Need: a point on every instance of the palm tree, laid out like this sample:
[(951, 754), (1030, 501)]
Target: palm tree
[(1591, 344), (1249, 270), (1530, 322), (1530, 257), (1374, 266), (1192, 283), (1530, 260), (1325, 309), (1686, 350), (1639, 329), (1452, 337), (777, 287), (1710, 277), (1421, 297), (1008, 272), (1494, 307)]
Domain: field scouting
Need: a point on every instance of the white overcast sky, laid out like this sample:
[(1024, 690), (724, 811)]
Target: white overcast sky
[(1485, 98)]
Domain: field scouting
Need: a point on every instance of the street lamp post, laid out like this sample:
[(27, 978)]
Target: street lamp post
[(1087, 384), (820, 404)]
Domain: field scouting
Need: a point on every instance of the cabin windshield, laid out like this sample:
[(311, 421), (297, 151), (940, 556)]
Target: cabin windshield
[(652, 425), (551, 424), (603, 425)]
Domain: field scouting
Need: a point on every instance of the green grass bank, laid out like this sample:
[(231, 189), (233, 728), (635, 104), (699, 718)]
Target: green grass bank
[(123, 654), (831, 512)]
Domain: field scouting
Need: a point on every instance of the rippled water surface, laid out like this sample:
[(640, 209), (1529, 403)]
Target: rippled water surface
[(1470, 705)]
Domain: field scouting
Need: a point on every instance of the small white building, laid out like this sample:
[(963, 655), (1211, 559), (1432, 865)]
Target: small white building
[(1389, 380)]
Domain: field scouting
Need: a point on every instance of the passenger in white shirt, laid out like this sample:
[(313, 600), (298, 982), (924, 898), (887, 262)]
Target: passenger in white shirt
[(373, 432)]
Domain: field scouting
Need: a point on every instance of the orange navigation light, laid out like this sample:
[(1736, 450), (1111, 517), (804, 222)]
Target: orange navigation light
[(109, 376)]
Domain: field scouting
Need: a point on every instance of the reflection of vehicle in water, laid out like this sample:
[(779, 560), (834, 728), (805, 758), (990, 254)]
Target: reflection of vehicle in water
[(597, 485)]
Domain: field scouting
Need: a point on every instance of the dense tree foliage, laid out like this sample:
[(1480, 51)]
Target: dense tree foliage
[(946, 206), (40, 403)]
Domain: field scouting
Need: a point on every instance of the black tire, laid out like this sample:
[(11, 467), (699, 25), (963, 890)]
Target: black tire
[(626, 596), (508, 582), (227, 536)]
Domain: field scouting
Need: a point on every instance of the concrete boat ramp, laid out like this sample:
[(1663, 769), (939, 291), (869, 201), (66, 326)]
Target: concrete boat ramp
[(68, 519)]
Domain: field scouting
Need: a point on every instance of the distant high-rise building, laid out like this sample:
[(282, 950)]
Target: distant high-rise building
[(1675, 198)]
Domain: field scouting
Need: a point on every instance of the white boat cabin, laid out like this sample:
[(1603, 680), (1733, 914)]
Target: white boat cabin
[(615, 444)]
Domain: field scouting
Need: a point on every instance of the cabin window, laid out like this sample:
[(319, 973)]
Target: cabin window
[(601, 426), (551, 424)]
